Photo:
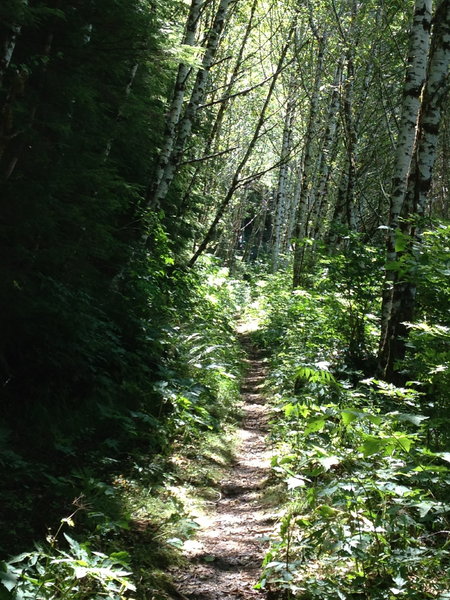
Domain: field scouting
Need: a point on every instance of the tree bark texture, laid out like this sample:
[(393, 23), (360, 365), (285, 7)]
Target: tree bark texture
[(182, 127), (159, 188), (399, 297)]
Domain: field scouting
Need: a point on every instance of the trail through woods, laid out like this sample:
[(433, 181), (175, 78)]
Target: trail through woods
[(226, 555)]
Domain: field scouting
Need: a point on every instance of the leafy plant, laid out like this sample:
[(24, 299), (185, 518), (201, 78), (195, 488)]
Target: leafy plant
[(366, 510), (53, 573)]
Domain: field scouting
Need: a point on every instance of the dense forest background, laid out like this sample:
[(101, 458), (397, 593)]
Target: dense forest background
[(147, 147)]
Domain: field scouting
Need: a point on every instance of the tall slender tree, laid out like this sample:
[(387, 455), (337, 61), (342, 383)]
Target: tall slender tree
[(399, 297)]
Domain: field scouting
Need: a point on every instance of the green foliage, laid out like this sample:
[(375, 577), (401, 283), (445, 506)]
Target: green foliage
[(204, 390), (84, 304), (366, 510), (131, 500), (428, 345), (77, 572)]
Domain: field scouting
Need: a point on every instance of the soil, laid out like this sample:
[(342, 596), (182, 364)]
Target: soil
[(225, 556)]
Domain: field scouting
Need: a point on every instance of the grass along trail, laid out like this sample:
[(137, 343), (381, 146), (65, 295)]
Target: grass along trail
[(225, 556)]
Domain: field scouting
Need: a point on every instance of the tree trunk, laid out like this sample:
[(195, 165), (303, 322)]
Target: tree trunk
[(179, 129), (227, 97), (327, 153), (398, 305), (282, 198), (176, 105), (308, 163)]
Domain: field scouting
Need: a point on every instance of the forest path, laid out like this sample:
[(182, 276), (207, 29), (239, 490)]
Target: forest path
[(225, 556)]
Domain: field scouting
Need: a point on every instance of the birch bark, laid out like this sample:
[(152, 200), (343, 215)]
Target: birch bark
[(435, 91), (8, 46), (412, 89), (176, 105), (224, 102), (398, 306), (179, 128)]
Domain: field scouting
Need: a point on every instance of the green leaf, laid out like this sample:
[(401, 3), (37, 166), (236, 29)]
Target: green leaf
[(403, 440), (372, 445), (316, 424), (327, 511), (176, 542), (290, 410), (444, 455), (424, 507), (348, 416), (80, 572), (209, 558)]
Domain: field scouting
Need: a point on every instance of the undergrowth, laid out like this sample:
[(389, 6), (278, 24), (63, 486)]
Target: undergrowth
[(134, 507), (363, 463)]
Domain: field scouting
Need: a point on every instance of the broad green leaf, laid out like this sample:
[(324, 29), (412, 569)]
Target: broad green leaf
[(327, 511), (289, 410), (80, 572), (176, 542), (403, 440), (314, 425), (372, 445), (444, 455), (424, 507), (348, 416), (9, 580)]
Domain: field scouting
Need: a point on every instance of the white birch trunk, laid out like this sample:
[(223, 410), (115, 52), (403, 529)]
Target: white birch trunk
[(415, 78), (158, 189), (436, 89), (8, 47), (412, 90), (214, 134), (183, 126)]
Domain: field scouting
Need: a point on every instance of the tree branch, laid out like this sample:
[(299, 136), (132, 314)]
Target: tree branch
[(203, 158)]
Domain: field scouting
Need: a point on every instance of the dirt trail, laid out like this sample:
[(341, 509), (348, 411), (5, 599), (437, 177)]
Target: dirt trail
[(225, 557)]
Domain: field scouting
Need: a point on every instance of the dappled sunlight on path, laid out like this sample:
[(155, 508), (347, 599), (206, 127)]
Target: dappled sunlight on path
[(226, 555)]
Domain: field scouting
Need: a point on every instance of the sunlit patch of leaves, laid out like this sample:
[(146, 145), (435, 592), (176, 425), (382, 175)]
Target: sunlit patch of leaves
[(367, 514)]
